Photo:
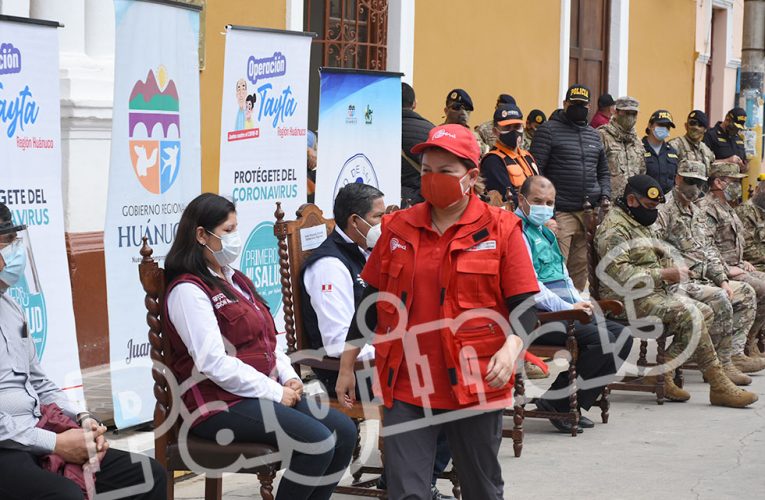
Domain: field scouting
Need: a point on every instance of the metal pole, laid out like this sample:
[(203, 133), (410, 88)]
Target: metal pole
[(752, 76)]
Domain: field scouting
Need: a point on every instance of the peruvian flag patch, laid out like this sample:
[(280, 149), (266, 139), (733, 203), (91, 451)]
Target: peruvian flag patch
[(326, 288)]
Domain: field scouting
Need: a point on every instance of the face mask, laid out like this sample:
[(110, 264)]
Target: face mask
[(442, 190), (626, 122), (661, 133), (510, 139), (231, 247), (732, 191), (695, 134), (539, 214), (690, 192), (373, 234), (732, 130), (644, 216), (577, 113), (15, 258)]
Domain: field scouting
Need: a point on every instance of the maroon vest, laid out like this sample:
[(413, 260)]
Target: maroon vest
[(244, 322)]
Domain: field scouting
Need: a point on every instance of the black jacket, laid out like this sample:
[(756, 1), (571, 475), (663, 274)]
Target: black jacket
[(573, 158), (414, 130), (662, 166)]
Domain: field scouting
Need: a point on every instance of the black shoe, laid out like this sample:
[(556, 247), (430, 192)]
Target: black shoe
[(437, 495), (585, 423), (561, 425)]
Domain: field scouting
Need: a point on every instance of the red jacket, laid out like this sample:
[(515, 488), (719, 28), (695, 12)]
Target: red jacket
[(473, 292), (248, 325), (599, 120)]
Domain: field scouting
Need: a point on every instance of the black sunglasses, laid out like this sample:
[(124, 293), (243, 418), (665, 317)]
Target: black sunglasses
[(693, 181)]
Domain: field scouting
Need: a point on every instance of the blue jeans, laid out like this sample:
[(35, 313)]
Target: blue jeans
[(248, 421)]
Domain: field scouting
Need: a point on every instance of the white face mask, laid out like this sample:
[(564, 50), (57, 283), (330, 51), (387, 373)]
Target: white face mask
[(231, 247), (373, 234)]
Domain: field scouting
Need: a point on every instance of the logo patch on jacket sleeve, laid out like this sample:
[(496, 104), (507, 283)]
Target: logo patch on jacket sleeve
[(326, 287)]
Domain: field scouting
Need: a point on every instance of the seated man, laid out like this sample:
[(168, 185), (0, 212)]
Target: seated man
[(633, 272), (332, 288), (557, 293), (39, 427)]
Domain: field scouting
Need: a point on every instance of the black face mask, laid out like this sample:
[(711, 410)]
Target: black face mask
[(510, 139), (644, 216), (577, 113)]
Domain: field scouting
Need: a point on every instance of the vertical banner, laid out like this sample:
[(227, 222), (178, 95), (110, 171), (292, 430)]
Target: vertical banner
[(359, 133), (263, 146), (30, 185), (155, 170)]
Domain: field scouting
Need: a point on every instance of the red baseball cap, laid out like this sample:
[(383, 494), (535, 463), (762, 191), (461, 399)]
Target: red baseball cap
[(454, 138)]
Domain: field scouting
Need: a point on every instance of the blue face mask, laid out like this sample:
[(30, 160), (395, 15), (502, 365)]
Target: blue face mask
[(15, 258), (539, 214), (661, 133)]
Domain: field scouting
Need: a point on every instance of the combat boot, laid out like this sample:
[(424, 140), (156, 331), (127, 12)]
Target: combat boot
[(671, 391), (533, 371), (735, 375), (747, 364), (722, 392), (754, 349)]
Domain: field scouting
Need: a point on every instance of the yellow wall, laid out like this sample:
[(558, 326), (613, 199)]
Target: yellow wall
[(219, 13), (661, 58), (495, 55)]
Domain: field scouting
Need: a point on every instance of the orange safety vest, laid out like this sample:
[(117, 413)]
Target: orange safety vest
[(520, 165), (469, 280)]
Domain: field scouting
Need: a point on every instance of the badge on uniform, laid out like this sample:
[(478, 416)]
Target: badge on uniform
[(486, 245), (327, 287)]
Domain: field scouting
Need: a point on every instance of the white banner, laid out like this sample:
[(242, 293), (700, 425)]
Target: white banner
[(30, 184), (360, 133), (154, 172), (264, 115)]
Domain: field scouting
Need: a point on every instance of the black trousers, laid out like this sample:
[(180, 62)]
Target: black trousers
[(410, 455), (603, 346), (23, 479)]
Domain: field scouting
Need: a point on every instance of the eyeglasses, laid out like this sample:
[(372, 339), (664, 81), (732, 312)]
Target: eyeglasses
[(693, 181), (457, 106)]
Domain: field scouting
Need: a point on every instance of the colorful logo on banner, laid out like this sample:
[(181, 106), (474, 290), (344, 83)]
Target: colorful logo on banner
[(35, 313), (263, 103), (358, 169), (260, 263), (155, 131), (21, 110)]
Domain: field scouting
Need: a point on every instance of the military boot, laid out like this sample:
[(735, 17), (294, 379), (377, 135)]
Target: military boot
[(735, 375), (754, 349), (671, 391), (533, 371), (722, 392), (747, 364)]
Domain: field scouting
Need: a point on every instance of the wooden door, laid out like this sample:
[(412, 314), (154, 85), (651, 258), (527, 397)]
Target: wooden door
[(588, 60)]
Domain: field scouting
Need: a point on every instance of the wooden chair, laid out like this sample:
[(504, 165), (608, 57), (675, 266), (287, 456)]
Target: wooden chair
[(292, 255), (207, 455), (637, 382), (518, 412)]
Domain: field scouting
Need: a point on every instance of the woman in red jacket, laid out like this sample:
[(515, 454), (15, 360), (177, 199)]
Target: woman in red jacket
[(223, 337), (450, 273)]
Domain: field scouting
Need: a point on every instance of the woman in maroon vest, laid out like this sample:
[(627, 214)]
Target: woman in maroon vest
[(223, 335)]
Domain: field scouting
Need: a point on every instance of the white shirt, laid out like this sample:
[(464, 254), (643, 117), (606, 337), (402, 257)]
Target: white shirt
[(546, 299), (330, 290), (191, 312)]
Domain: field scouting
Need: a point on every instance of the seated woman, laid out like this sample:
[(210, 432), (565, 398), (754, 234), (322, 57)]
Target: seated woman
[(209, 303)]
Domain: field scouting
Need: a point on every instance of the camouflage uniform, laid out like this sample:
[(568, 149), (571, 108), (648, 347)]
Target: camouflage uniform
[(687, 319), (726, 230), (486, 136), (753, 219), (684, 228), (625, 153), (689, 150), (526, 141)]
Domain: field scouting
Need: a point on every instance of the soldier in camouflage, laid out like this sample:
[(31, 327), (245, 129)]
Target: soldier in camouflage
[(691, 146), (683, 225), (727, 232), (752, 215), (485, 131), (533, 120), (624, 150), (631, 269)]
